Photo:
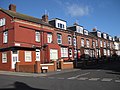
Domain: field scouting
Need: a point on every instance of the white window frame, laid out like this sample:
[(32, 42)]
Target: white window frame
[(85, 32), (82, 42), (104, 44), (2, 22), (28, 56), (5, 36), (53, 54), (86, 51), (98, 34), (105, 51), (64, 52), (79, 29), (93, 43), (37, 36), (74, 41), (87, 43), (101, 45), (49, 38), (108, 52), (4, 57), (105, 36), (69, 40), (59, 39)]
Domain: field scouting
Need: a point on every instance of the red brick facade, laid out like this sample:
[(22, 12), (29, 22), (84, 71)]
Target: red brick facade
[(21, 43)]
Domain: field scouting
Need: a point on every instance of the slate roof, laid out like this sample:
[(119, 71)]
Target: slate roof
[(24, 17)]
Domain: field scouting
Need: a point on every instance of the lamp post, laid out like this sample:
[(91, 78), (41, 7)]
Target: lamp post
[(75, 48)]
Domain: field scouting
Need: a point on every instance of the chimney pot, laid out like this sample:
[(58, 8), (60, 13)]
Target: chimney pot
[(12, 7)]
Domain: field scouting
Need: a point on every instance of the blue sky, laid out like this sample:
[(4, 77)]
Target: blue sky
[(103, 14)]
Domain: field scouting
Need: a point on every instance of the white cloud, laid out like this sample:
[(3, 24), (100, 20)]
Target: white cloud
[(77, 10)]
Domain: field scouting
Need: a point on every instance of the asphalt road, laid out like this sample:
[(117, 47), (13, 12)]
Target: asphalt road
[(99, 77)]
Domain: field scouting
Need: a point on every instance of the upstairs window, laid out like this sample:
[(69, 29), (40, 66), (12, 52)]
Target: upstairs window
[(74, 41), (59, 38), (80, 29), (37, 36), (2, 22), (5, 37), (108, 44), (104, 36), (104, 44), (93, 44), (69, 40), (99, 34), (96, 42), (101, 43), (49, 37), (87, 43), (60, 25), (85, 32), (82, 42)]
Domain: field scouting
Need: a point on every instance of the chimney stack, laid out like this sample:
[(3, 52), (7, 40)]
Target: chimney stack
[(12, 7), (94, 29), (76, 24), (45, 18)]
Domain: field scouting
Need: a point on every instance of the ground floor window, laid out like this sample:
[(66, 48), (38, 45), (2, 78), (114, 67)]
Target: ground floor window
[(53, 54), (64, 52), (4, 57), (105, 52), (92, 53), (86, 51), (108, 52), (28, 56)]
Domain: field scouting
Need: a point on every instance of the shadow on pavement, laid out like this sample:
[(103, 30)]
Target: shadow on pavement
[(21, 86)]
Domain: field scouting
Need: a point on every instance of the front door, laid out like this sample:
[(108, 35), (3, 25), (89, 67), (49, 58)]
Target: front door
[(37, 55), (14, 58)]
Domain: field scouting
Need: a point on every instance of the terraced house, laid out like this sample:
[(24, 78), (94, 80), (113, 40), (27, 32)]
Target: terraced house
[(30, 44)]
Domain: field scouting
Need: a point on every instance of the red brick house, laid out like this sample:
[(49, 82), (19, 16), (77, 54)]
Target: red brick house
[(23, 38)]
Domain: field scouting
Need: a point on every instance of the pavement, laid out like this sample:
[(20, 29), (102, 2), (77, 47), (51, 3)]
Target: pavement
[(36, 74)]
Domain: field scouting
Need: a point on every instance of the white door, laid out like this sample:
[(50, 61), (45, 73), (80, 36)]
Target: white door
[(37, 55), (14, 58)]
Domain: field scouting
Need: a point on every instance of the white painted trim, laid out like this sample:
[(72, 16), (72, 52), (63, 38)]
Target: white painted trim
[(68, 63), (46, 64)]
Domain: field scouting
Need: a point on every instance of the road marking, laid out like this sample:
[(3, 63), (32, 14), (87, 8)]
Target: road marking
[(82, 78), (83, 74), (94, 79), (72, 78), (79, 75), (117, 81), (106, 79)]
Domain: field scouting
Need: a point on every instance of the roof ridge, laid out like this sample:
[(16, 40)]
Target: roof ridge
[(24, 17)]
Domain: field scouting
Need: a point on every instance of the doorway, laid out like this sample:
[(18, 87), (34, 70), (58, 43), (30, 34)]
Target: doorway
[(14, 58)]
